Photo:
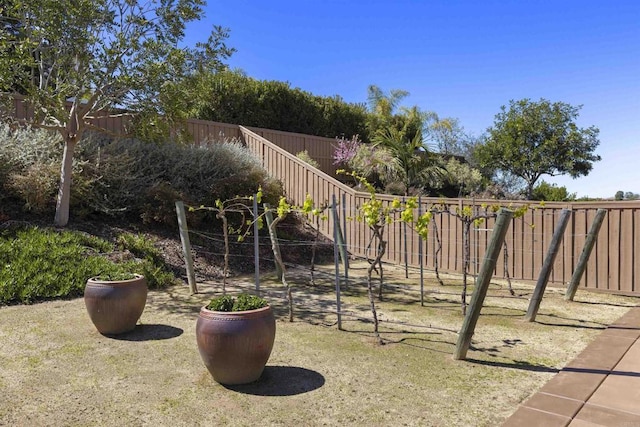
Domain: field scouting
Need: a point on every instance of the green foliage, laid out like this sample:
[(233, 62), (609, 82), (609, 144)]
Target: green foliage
[(232, 97), (552, 193), (376, 164), (115, 277), (531, 139), (140, 246), (417, 166), (40, 264), (460, 179), (29, 166), (305, 157), (128, 177), (629, 195), (242, 302), (77, 59)]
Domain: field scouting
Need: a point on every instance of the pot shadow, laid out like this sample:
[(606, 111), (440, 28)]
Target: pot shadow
[(150, 332), (282, 381)]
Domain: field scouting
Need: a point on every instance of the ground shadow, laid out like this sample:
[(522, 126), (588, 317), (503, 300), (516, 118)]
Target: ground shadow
[(517, 364), (282, 381), (602, 371), (153, 332)]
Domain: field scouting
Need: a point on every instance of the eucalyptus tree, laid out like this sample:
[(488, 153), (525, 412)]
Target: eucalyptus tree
[(78, 60)]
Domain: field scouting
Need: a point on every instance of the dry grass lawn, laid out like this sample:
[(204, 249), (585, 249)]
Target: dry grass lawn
[(56, 369)]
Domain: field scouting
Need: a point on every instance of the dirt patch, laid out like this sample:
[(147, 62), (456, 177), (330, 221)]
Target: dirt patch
[(56, 369)]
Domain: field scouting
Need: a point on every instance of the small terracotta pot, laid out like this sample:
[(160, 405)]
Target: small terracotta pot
[(235, 346), (115, 306)]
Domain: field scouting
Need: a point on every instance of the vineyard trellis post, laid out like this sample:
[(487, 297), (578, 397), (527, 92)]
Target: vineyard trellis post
[(584, 256), (336, 260), (547, 266), (186, 247), (256, 243), (482, 283)]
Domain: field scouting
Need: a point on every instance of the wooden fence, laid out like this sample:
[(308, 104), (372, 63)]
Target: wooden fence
[(613, 266)]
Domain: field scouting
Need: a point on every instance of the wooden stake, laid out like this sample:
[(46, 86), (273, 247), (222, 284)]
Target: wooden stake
[(547, 266), (186, 247), (584, 256), (482, 283)]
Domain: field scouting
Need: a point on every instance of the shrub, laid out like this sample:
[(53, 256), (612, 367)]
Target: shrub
[(29, 166), (242, 302), (305, 157), (146, 179), (36, 185), (128, 177), (40, 263)]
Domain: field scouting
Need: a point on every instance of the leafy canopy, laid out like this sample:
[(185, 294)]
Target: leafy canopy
[(75, 61), (101, 53), (530, 139)]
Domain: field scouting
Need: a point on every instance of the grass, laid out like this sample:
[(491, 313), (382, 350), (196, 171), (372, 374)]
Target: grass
[(317, 374)]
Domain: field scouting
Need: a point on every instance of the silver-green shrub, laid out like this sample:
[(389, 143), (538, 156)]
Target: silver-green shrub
[(129, 177), (29, 166)]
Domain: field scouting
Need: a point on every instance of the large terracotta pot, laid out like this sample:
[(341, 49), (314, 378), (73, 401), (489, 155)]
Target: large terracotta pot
[(235, 346), (115, 306)]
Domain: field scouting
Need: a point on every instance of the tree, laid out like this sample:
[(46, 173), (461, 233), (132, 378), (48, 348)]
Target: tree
[(532, 139), (77, 60), (619, 195), (552, 193), (419, 167)]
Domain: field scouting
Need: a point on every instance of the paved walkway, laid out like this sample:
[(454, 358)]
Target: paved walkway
[(600, 387)]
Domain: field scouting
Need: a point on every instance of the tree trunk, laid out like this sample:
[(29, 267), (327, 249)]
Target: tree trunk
[(64, 190), (71, 135)]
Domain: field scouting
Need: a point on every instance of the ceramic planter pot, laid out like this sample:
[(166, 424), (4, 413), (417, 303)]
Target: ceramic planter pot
[(235, 346), (115, 306)]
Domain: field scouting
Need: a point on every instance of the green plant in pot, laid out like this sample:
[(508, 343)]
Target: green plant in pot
[(235, 336), (115, 301)]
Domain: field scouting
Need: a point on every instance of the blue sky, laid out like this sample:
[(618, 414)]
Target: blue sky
[(461, 59)]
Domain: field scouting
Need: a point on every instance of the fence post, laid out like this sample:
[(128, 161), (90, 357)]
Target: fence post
[(584, 256), (547, 266), (482, 283), (186, 247)]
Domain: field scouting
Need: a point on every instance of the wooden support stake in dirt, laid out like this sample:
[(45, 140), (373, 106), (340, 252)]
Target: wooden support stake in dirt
[(336, 260), (584, 256), (256, 243), (186, 247), (337, 235), (274, 238), (547, 266), (482, 283)]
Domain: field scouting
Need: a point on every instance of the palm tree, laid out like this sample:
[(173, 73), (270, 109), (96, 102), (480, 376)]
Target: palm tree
[(419, 167)]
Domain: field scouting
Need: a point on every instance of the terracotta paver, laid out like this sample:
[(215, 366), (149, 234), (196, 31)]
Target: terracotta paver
[(600, 387)]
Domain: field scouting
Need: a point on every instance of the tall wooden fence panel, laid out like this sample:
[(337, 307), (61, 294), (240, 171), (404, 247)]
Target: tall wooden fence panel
[(320, 149), (612, 267)]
